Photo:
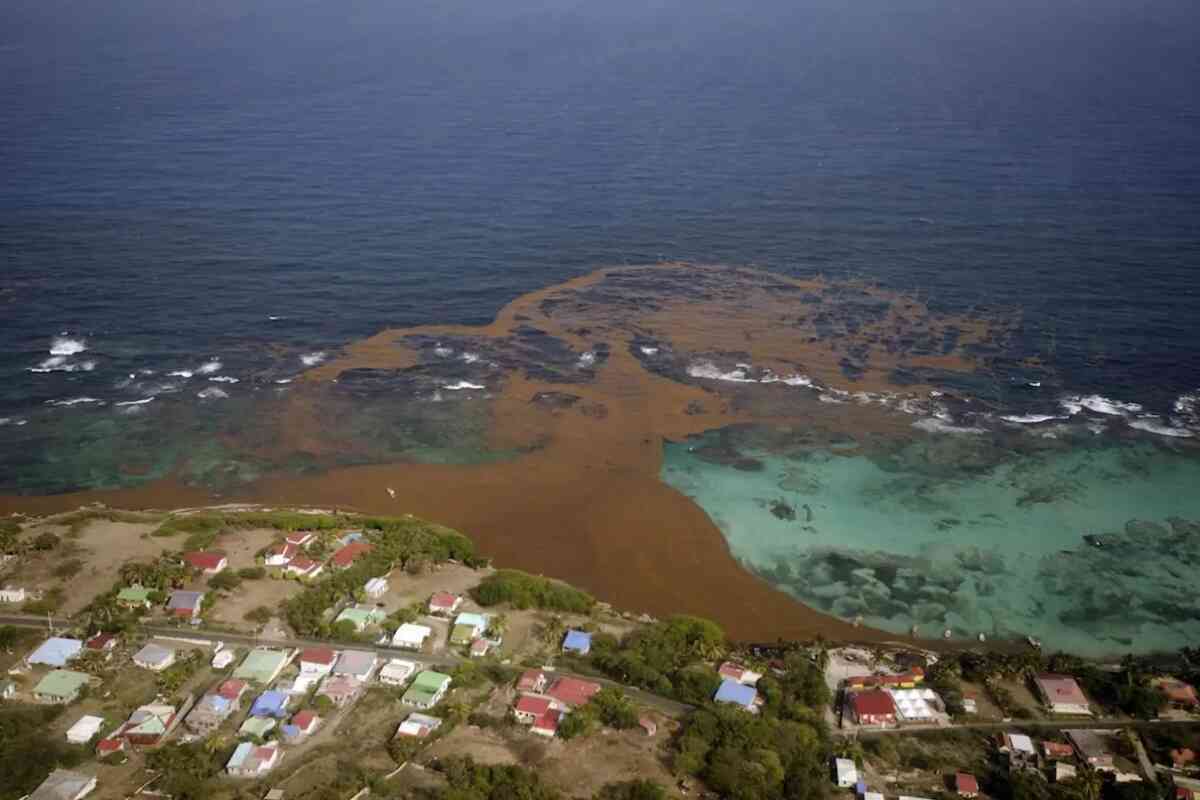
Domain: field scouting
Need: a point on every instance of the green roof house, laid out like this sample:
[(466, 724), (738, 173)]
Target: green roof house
[(60, 686), (262, 666), (257, 726), (134, 597), (361, 617), (462, 634), (427, 689)]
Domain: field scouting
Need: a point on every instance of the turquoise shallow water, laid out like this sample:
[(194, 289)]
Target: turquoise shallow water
[(971, 533)]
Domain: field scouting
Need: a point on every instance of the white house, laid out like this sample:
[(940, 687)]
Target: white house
[(84, 729), (317, 661), (281, 555), (250, 760), (154, 657), (845, 773), (397, 672), (410, 636), (13, 594), (64, 784), (376, 588), (223, 658)]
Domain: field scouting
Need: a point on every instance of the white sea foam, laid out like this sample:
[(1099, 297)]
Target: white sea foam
[(1187, 405), (649, 351), (468, 357), (282, 381), (1152, 424), (312, 359), (788, 380), (710, 371), (458, 385), (1029, 419), (273, 318), (61, 364), (141, 402), (223, 379), (75, 401), (181, 373), (212, 393), (931, 425), (587, 359), (829, 398), (1099, 405), (16, 423), (209, 368), (442, 352), (66, 346)]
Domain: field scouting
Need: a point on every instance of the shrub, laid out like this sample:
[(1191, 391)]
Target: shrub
[(252, 573), (260, 615), (523, 590), (45, 541), (225, 580)]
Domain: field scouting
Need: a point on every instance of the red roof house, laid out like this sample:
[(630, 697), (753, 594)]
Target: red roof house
[(572, 692), (319, 656), (1062, 694), (905, 680), (106, 747), (299, 539), (1178, 693), (1058, 751), (304, 566), (351, 553), (444, 603), (966, 785), (529, 707), (875, 707), (206, 562), (306, 721), (532, 680), (102, 642), (546, 724), (232, 689)]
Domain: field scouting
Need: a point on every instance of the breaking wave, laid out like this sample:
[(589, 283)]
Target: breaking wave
[(1100, 405), (212, 393), (224, 379), (209, 368), (312, 359), (934, 425), (60, 363), (457, 385), (1030, 419), (66, 346), (74, 401), (181, 373), (1153, 425)]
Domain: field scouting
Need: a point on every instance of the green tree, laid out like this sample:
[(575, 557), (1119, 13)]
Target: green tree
[(637, 789)]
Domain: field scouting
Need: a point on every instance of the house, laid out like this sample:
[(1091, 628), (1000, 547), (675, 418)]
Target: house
[(251, 760), (101, 643), (13, 594), (8, 690), (350, 553), (60, 686), (468, 627), (970, 703), (736, 694), (427, 689), (317, 660), (1062, 694), (1064, 772), (185, 604), (444, 604), (736, 672), (480, 648), (376, 588), (648, 725), (148, 725), (350, 537), (1091, 748), (845, 773), (916, 705), (397, 672), (572, 692), (261, 666), (207, 562), (1178, 694), (1019, 749), (904, 680), (965, 785), (361, 618), (84, 729), (108, 747), (154, 657), (280, 555), (270, 704), (209, 713), (223, 658), (304, 567), (1057, 751), (134, 597), (357, 664), (418, 725), (577, 642), (64, 784), (529, 707), (340, 689), (547, 724), (532, 680), (233, 689), (55, 652), (306, 722), (410, 636), (257, 726), (874, 707)]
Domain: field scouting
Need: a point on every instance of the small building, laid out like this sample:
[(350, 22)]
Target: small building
[(185, 604), (1064, 772), (233, 689), (1062, 694), (736, 672), (306, 722), (427, 689), (468, 627), (207, 562), (101, 643), (915, 705), (547, 724), (376, 588), (970, 703), (529, 707), (873, 707), (261, 665), (357, 664), (1178, 694), (250, 760), (304, 567), (64, 784), (148, 725), (444, 604), (13, 594), (257, 726), (299, 538), (904, 680), (208, 714), (480, 648), (134, 597), (1091, 748), (108, 747), (845, 773), (411, 637), (737, 694), (270, 704), (223, 658), (577, 642), (568, 692), (965, 785), (317, 660), (281, 554), (361, 618), (84, 729), (1019, 749), (397, 672), (60, 686), (418, 725), (154, 657), (340, 689), (347, 555), (56, 651), (1057, 751), (8, 690), (532, 680)]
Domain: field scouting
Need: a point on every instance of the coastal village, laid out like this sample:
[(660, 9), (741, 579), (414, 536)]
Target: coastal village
[(198, 660)]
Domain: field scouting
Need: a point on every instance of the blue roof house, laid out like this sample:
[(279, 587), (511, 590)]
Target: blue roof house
[(270, 704), (56, 652), (736, 694), (577, 642)]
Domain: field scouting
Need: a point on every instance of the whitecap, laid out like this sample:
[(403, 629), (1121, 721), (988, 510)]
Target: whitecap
[(1187, 405), (587, 359), (795, 379), (66, 346), (442, 352), (1029, 419), (141, 402), (931, 425), (273, 318), (223, 379), (829, 398), (209, 367), (16, 423), (60, 364), (212, 393), (456, 386), (74, 401), (1099, 405), (312, 359), (710, 371), (468, 357), (282, 381), (1153, 425), (649, 351), (180, 373)]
